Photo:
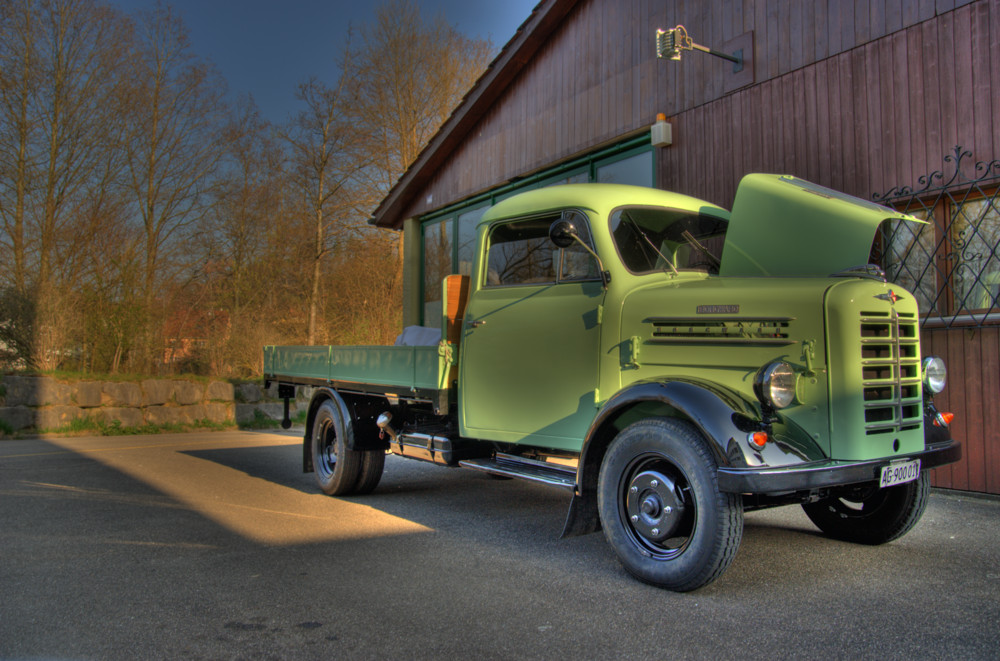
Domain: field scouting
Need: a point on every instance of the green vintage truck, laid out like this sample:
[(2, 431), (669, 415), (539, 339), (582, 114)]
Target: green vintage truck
[(670, 363)]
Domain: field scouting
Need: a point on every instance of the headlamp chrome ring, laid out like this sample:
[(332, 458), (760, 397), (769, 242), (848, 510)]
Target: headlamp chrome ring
[(775, 384)]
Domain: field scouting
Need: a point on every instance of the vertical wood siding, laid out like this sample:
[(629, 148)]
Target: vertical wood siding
[(856, 94), (865, 120), (973, 395)]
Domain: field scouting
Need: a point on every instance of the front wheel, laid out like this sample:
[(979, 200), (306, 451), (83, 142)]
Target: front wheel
[(661, 508), (869, 515)]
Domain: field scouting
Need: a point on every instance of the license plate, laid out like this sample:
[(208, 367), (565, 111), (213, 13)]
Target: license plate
[(898, 473)]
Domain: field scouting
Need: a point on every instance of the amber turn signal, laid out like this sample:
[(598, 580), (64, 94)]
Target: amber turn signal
[(757, 439), (943, 419)]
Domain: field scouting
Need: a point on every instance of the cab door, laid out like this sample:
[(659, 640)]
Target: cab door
[(530, 350)]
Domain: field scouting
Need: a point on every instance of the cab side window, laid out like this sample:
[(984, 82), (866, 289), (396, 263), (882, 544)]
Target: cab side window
[(520, 253)]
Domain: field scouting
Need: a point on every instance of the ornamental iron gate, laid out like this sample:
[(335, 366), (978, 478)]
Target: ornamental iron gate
[(951, 263)]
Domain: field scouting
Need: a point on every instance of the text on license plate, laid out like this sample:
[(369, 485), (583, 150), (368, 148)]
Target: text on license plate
[(898, 473)]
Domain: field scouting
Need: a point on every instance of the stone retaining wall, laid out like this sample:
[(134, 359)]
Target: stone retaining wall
[(45, 403)]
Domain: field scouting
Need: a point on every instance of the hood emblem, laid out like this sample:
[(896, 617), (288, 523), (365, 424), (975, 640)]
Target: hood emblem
[(718, 309), (892, 297)]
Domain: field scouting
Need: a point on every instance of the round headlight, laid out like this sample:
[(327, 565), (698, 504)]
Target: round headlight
[(935, 374), (775, 384)]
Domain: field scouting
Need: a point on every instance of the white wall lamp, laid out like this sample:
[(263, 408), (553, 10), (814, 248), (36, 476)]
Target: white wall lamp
[(661, 133)]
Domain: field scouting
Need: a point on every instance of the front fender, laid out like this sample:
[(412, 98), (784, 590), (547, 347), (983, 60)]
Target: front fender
[(723, 417)]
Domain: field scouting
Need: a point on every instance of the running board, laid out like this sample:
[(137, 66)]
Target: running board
[(509, 465)]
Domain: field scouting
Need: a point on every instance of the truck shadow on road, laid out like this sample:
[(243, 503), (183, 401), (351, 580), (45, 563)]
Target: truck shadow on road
[(512, 517), (274, 463)]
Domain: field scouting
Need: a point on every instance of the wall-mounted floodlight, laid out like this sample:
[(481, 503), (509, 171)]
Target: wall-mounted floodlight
[(670, 43)]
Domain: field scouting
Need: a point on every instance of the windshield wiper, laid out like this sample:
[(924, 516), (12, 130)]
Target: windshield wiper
[(694, 243), (652, 245)]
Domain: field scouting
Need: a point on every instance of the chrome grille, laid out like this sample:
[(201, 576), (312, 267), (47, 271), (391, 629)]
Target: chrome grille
[(890, 372)]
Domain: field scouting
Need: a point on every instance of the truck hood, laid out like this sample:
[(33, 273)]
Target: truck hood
[(785, 226)]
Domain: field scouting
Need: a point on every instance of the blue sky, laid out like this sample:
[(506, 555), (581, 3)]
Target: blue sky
[(267, 47)]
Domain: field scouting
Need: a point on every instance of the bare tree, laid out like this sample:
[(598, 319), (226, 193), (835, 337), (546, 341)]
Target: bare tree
[(348, 146), (18, 81), (248, 199), (109, 290), (367, 295), (129, 200), (57, 117), (326, 159), (409, 74), (76, 107), (248, 241), (172, 146)]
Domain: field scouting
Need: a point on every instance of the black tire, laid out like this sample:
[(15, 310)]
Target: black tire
[(337, 467), (372, 464), (661, 509), (870, 515)]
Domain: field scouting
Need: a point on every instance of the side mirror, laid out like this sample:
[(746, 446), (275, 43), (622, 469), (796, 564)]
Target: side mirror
[(563, 233)]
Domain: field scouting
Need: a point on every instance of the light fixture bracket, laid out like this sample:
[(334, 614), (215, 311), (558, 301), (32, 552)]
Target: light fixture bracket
[(670, 43)]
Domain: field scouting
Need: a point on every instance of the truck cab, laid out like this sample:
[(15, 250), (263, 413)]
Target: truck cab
[(669, 362)]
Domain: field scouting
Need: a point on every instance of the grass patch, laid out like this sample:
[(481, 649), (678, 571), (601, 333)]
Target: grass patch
[(90, 426)]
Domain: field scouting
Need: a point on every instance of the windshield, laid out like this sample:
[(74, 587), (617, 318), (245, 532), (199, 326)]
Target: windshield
[(657, 239)]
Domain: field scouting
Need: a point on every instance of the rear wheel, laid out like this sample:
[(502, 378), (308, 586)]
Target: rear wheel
[(661, 508), (372, 465), (870, 515), (337, 467)]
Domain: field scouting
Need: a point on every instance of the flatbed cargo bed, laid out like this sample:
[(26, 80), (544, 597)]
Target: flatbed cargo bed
[(408, 372)]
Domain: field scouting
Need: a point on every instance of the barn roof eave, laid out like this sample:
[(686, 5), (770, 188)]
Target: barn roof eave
[(529, 38)]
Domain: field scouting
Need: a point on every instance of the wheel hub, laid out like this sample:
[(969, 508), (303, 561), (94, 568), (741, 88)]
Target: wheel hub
[(327, 455), (653, 506)]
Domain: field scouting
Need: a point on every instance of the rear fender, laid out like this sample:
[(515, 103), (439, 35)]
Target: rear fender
[(357, 413)]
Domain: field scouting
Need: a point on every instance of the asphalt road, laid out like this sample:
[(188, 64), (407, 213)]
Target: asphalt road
[(217, 546)]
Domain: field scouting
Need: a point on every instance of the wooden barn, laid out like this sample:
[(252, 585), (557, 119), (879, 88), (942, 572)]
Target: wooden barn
[(893, 100)]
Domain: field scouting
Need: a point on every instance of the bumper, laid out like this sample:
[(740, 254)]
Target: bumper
[(820, 474)]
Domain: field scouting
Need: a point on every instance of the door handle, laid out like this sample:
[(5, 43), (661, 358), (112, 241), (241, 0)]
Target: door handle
[(477, 323)]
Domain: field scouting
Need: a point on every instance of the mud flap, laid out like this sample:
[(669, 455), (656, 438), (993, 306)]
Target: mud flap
[(583, 517)]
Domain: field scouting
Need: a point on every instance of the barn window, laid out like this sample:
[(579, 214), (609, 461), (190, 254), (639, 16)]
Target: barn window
[(951, 263)]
